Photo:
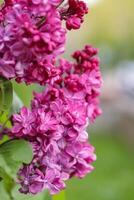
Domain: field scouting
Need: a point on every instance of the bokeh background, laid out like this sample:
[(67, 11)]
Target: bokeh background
[(110, 27)]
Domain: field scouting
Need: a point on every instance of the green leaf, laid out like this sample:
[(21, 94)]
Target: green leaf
[(60, 196), (4, 168), (6, 94), (19, 196), (3, 193), (7, 181), (18, 150), (12, 154)]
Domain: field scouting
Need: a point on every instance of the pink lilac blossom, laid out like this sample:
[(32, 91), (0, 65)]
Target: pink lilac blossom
[(31, 36), (83, 81), (73, 13), (56, 125)]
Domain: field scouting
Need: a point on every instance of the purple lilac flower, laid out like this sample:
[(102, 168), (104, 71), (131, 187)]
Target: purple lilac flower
[(31, 36), (56, 131), (24, 123), (56, 125), (74, 13)]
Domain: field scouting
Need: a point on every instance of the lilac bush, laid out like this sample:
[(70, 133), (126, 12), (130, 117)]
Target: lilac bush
[(32, 35)]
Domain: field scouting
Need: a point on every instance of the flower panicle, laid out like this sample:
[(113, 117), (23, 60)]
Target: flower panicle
[(31, 38), (56, 125)]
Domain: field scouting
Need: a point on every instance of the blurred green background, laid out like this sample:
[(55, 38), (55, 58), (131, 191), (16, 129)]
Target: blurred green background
[(110, 27)]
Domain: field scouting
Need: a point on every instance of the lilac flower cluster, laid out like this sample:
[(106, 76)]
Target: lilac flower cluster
[(31, 36), (56, 125)]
